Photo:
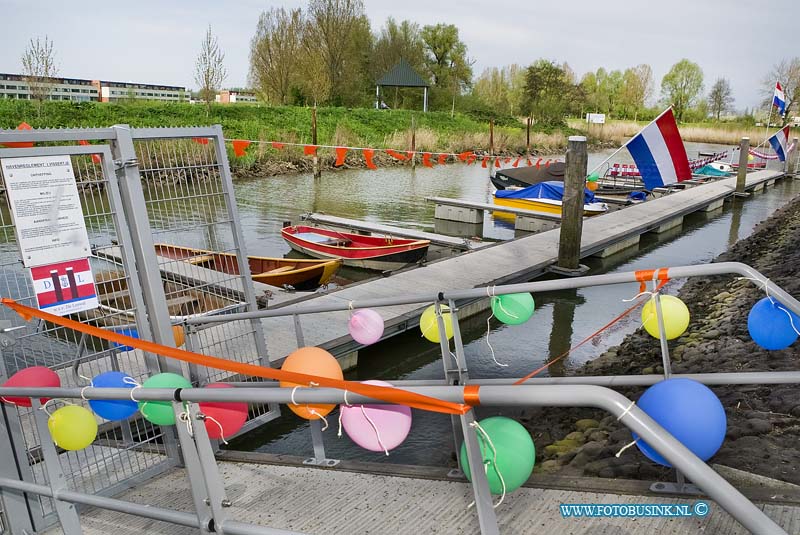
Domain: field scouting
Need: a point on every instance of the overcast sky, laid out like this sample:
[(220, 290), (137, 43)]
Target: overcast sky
[(153, 41)]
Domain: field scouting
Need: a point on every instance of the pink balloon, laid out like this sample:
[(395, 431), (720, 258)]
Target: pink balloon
[(32, 377), (392, 422), (366, 326), (228, 417)]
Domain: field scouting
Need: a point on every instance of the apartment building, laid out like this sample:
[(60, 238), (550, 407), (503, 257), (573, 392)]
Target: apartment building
[(80, 90)]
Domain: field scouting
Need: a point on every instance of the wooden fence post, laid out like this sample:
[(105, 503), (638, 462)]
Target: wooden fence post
[(741, 176), (413, 142), (315, 161), (569, 246)]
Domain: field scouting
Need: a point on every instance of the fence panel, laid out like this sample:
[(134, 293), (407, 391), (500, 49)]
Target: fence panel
[(125, 452)]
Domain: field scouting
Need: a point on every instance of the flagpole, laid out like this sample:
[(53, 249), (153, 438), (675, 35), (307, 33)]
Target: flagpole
[(598, 166), (769, 117)]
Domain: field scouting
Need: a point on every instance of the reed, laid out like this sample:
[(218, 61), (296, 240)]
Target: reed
[(723, 134)]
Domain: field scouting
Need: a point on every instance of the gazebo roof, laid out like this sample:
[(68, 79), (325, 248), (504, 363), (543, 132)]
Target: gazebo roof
[(402, 75)]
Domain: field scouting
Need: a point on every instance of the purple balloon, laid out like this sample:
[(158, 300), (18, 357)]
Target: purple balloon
[(391, 422), (366, 326)]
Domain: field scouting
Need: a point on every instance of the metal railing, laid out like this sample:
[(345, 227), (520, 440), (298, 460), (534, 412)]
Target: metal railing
[(208, 489)]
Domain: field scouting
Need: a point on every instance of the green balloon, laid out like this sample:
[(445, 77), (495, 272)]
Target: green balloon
[(513, 309), (160, 412), (515, 454), (594, 177)]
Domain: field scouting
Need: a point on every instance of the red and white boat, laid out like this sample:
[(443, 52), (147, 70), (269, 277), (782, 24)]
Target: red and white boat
[(381, 253)]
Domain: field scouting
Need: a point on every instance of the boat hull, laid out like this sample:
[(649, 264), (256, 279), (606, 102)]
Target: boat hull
[(365, 252), (548, 206)]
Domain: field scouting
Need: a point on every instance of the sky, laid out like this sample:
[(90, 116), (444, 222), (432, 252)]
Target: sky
[(151, 41)]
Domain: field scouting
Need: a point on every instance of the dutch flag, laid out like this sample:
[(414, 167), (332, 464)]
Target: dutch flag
[(659, 152), (780, 142), (779, 99)]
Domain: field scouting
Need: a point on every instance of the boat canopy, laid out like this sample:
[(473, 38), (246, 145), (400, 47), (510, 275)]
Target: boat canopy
[(543, 190), (709, 170)]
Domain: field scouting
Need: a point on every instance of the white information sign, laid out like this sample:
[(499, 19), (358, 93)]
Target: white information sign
[(596, 118), (46, 208)]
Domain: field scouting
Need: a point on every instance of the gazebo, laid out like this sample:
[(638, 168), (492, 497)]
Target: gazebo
[(402, 75)]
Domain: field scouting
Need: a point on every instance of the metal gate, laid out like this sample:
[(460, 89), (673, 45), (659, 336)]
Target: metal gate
[(135, 187)]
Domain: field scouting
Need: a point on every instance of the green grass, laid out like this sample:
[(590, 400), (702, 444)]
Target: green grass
[(437, 131)]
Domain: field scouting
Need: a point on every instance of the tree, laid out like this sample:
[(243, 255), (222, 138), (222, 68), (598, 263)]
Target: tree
[(209, 72), (682, 85), (787, 72), (338, 31), (398, 41), (720, 98), (501, 88), (275, 53), (39, 67), (550, 93), (637, 88), (447, 61)]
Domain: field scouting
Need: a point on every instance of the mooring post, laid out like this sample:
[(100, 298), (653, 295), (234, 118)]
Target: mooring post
[(315, 161), (528, 135), (795, 157), (741, 176), (491, 145), (569, 246), (413, 142)]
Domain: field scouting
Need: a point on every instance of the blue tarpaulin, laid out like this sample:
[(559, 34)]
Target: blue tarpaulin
[(543, 190)]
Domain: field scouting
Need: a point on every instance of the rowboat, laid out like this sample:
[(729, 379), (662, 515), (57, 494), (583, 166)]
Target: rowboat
[(522, 177), (546, 197), (300, 274), (380, 253)]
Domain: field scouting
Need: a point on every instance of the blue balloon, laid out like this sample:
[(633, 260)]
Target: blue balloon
[(690, 412), (133, 333), (113, 409), (772, 325)]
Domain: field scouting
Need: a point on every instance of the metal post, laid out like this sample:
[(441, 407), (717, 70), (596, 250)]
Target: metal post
[(377, 97), (319, 458), (662, 335), (569, 247), (741, 175), (194, 470), (214, 486), (14, 504), (67, 514), (461, 377), (315, 160), (238, 242), (425, 100), (487, 520)]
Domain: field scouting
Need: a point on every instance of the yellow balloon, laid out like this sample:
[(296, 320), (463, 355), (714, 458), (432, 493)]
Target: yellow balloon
[(750, 158), (72, 427), (430, 327), (675, 315)]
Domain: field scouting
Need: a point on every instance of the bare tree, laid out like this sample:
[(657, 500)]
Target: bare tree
[(787, 72), (720, 98), (275, 53), (39, 68), (209, 71)]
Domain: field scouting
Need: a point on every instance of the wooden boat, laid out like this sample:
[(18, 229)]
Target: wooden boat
[(300, 274), (381, 253), (546, 197)]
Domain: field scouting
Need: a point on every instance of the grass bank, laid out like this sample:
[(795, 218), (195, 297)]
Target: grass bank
[(722, 133), (436, 131)]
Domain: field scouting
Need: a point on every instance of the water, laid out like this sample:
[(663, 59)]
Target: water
[(561, 320)]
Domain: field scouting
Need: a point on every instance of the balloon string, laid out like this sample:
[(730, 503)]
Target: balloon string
[(221, 430), (625, 447), (311, 410), (486, 463), (375, 428), (185, 417), (777, 304), (131, 381), (488, 343), (339, 434)]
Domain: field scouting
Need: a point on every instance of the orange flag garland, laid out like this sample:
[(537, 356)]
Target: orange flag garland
[(516, 162), (397, 155), (426, 159), (442, 159), (95, 157), (240, 146), (485, 161), (310, 150), (20, 144), (341, 153), (466, 155), (368, 154), (200, 140), (277, 145)]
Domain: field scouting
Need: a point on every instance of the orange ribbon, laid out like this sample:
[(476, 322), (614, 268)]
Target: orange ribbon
[(341, 153), (426, 159), (383, 393), (239, 146), (310, 150), (368, 155), (397, 155)]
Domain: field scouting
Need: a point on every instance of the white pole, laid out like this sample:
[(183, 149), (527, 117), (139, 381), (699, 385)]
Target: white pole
[(596, 167)]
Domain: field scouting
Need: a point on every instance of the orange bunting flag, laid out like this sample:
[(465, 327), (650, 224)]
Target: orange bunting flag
[(20, 144), (426, 159), (497, 163), (529, 162), (397, 155), (547, 163), (538, 163), (368, 154), (95, 157), (485, 161), (471, 159), (442, 159), (200, 140), (464, 156), (310, 150), (341, 152), (516, 162), (278, 145), (507, 161), (239, 146)]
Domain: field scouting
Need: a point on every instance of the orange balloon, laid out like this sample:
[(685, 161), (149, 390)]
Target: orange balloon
[(592, 186), (178, 335), (311, 361)]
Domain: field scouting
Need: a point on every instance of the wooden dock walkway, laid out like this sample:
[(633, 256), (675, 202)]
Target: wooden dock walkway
[(323, 501)]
